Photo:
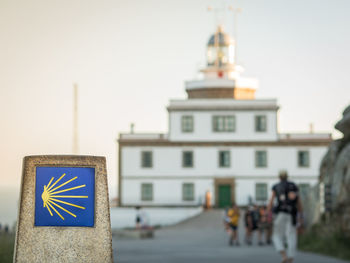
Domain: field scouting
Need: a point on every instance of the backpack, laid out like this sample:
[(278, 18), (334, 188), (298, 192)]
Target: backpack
[(287, 194)]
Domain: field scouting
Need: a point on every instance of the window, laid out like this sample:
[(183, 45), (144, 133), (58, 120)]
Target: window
[(187, 159), (261, 159), (187, 123), (261, 192), (146, 159), (224, 159), (304, 190), (224, 123), (260, 123), (303, 159), (146, 192), (188, 192)]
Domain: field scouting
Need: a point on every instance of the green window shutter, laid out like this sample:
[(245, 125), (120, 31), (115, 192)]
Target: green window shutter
[(261, 159), (187, 159), (224, 123), (217, 123), (229, 123), (187, 123), (303, 159), (146, 159), (224, 159), (261, 192), (147, 192), (188, 192), (260, 123)]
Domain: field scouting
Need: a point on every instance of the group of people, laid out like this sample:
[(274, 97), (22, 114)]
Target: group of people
[(259, 219), (256, 219), (277, 222)]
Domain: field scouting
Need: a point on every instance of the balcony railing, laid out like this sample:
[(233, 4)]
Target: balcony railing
[(305, 136), (143, 136)]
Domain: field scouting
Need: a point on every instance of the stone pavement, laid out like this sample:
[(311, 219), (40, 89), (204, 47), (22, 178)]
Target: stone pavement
[(201, 239)]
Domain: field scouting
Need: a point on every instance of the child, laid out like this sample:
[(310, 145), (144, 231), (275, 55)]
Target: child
[(233, 215)]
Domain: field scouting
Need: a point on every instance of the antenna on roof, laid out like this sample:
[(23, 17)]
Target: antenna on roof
[(219, 14), (311, 127), (236, 11)]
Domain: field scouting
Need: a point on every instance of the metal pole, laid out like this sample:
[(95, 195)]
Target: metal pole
[(216, 44), (235, 34), (75, 119), (236, 11)]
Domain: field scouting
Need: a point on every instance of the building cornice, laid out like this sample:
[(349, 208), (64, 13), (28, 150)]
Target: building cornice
[(203, 177), (165, 142), (222, 108)]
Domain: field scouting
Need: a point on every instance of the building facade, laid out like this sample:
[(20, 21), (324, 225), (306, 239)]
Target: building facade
[(221, 139)]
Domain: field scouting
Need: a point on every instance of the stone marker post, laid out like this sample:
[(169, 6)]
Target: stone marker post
[(64, 210)]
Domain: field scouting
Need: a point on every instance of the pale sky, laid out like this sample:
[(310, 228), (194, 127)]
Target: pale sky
[(130, 57)]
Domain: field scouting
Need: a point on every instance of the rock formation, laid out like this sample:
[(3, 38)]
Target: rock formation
[(335, 173)]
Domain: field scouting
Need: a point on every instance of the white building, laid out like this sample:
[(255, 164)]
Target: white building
[(220, 139)]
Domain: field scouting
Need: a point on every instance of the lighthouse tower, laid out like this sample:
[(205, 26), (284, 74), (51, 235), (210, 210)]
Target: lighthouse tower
[(222, 75)]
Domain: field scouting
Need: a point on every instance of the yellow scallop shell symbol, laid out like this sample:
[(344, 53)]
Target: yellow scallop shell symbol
[(50, 197)]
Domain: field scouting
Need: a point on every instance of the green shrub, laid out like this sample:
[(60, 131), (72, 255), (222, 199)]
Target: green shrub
[(7, 242), (323, 240)]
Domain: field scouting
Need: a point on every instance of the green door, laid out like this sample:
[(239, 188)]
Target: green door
[(224, 195)]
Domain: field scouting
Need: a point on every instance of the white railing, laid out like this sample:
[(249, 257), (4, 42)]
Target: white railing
[(212, 104), (304, 136), (143, 136)]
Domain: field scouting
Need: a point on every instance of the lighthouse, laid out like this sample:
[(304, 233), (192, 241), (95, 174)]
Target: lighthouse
[(221, 139), (222, 75)]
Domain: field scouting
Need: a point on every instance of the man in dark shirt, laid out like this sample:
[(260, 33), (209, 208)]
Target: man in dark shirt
[(287, 210)]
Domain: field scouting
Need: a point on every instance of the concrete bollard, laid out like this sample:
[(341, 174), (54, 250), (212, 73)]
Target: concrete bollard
[(64, 210)]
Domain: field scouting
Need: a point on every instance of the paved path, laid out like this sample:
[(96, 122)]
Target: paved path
[(201, 239)]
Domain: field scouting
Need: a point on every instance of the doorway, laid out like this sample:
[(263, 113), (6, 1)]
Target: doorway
[(224, 191), (224, 195)]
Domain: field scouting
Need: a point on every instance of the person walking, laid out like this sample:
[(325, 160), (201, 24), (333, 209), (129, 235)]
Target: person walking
[(287, 209), (233, 215), (138, 218)]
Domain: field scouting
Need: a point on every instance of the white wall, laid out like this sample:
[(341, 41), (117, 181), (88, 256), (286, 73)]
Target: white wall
[(246, 188), (167, 174), (122, 217), (165, 191), (167, 161), (169, 192), (203, 130)]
